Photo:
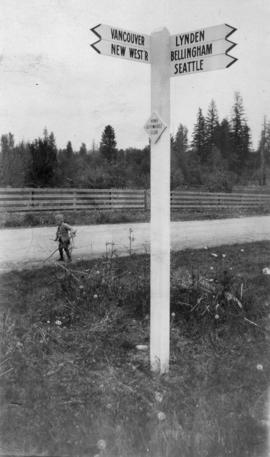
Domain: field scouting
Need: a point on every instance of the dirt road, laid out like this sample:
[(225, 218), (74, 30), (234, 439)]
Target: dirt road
[(22, 248)]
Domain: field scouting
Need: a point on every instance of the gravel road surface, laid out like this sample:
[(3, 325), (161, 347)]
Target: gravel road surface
[(27, 247)]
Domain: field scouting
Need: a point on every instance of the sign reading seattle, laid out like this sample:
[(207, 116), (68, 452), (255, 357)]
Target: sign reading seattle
[(201, 50), (121, 43)]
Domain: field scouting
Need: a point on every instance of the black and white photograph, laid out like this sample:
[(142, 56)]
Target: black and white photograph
[(134, 228)]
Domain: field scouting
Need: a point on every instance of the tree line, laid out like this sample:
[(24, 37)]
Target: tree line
[(218, 156)]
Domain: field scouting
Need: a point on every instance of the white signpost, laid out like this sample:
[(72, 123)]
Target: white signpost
[(185, 53)]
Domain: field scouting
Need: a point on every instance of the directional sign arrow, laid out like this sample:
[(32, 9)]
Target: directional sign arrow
[(198, 65), (216, 32), (115, 49), (122, 43), (201, 50), (110, 33)]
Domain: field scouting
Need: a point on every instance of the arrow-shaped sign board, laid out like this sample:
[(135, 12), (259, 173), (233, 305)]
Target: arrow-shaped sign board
[(217, 62), (202, 50), (216, 32), (125, 44)]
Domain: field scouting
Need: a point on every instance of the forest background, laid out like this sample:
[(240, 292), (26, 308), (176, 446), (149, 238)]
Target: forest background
[(218, 156)]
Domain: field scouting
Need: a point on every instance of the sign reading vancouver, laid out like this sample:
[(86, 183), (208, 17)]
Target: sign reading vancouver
[(121, 43), (201, 50)]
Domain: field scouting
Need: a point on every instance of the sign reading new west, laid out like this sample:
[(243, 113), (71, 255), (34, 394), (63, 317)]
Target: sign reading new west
[(121, 43), (201, 50)]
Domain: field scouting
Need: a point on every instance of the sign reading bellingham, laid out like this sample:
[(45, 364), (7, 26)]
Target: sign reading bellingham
[(121, 43), (154, 127), (202, 50)]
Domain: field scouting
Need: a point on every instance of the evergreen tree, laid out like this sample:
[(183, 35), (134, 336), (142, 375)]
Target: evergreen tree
[(15, 162), (179, 148), (69, 151), (264, 151), (22, 164), (108, 144), (240, 137), (51, 142), (83, 150), (267, 142), (224, 139), (199, 137), (211, 126), (7, 148), (43, 154), (94, 147), (180, 144), (67, 169)]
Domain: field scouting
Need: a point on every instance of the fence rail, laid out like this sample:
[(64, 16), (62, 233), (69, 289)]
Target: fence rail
[(32, 200)]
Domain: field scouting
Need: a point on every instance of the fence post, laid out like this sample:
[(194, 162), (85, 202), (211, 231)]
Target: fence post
[(32, 198), (111, 205), (145, 199), (74, 200)]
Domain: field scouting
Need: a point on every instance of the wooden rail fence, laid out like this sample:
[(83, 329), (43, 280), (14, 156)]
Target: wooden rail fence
[(31, 200)]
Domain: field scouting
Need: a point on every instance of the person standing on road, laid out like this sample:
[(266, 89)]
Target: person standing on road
[(64, 234)]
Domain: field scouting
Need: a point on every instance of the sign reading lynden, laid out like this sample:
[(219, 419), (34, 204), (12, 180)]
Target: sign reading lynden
[(121, 43), (202, 50)]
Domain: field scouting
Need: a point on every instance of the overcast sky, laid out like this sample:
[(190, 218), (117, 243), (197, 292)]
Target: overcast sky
[(51, 77)]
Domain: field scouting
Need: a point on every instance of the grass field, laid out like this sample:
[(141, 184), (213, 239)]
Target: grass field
[(73, 382), (117, 216)]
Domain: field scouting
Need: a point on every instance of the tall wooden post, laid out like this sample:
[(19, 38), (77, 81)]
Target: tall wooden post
[(160, 205)]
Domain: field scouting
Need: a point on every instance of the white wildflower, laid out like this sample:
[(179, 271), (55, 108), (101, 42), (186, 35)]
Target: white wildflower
[(95, 296), (161, 416), (259, 367), (57, 322), (141, 347), (101, 444), (158, 397)]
